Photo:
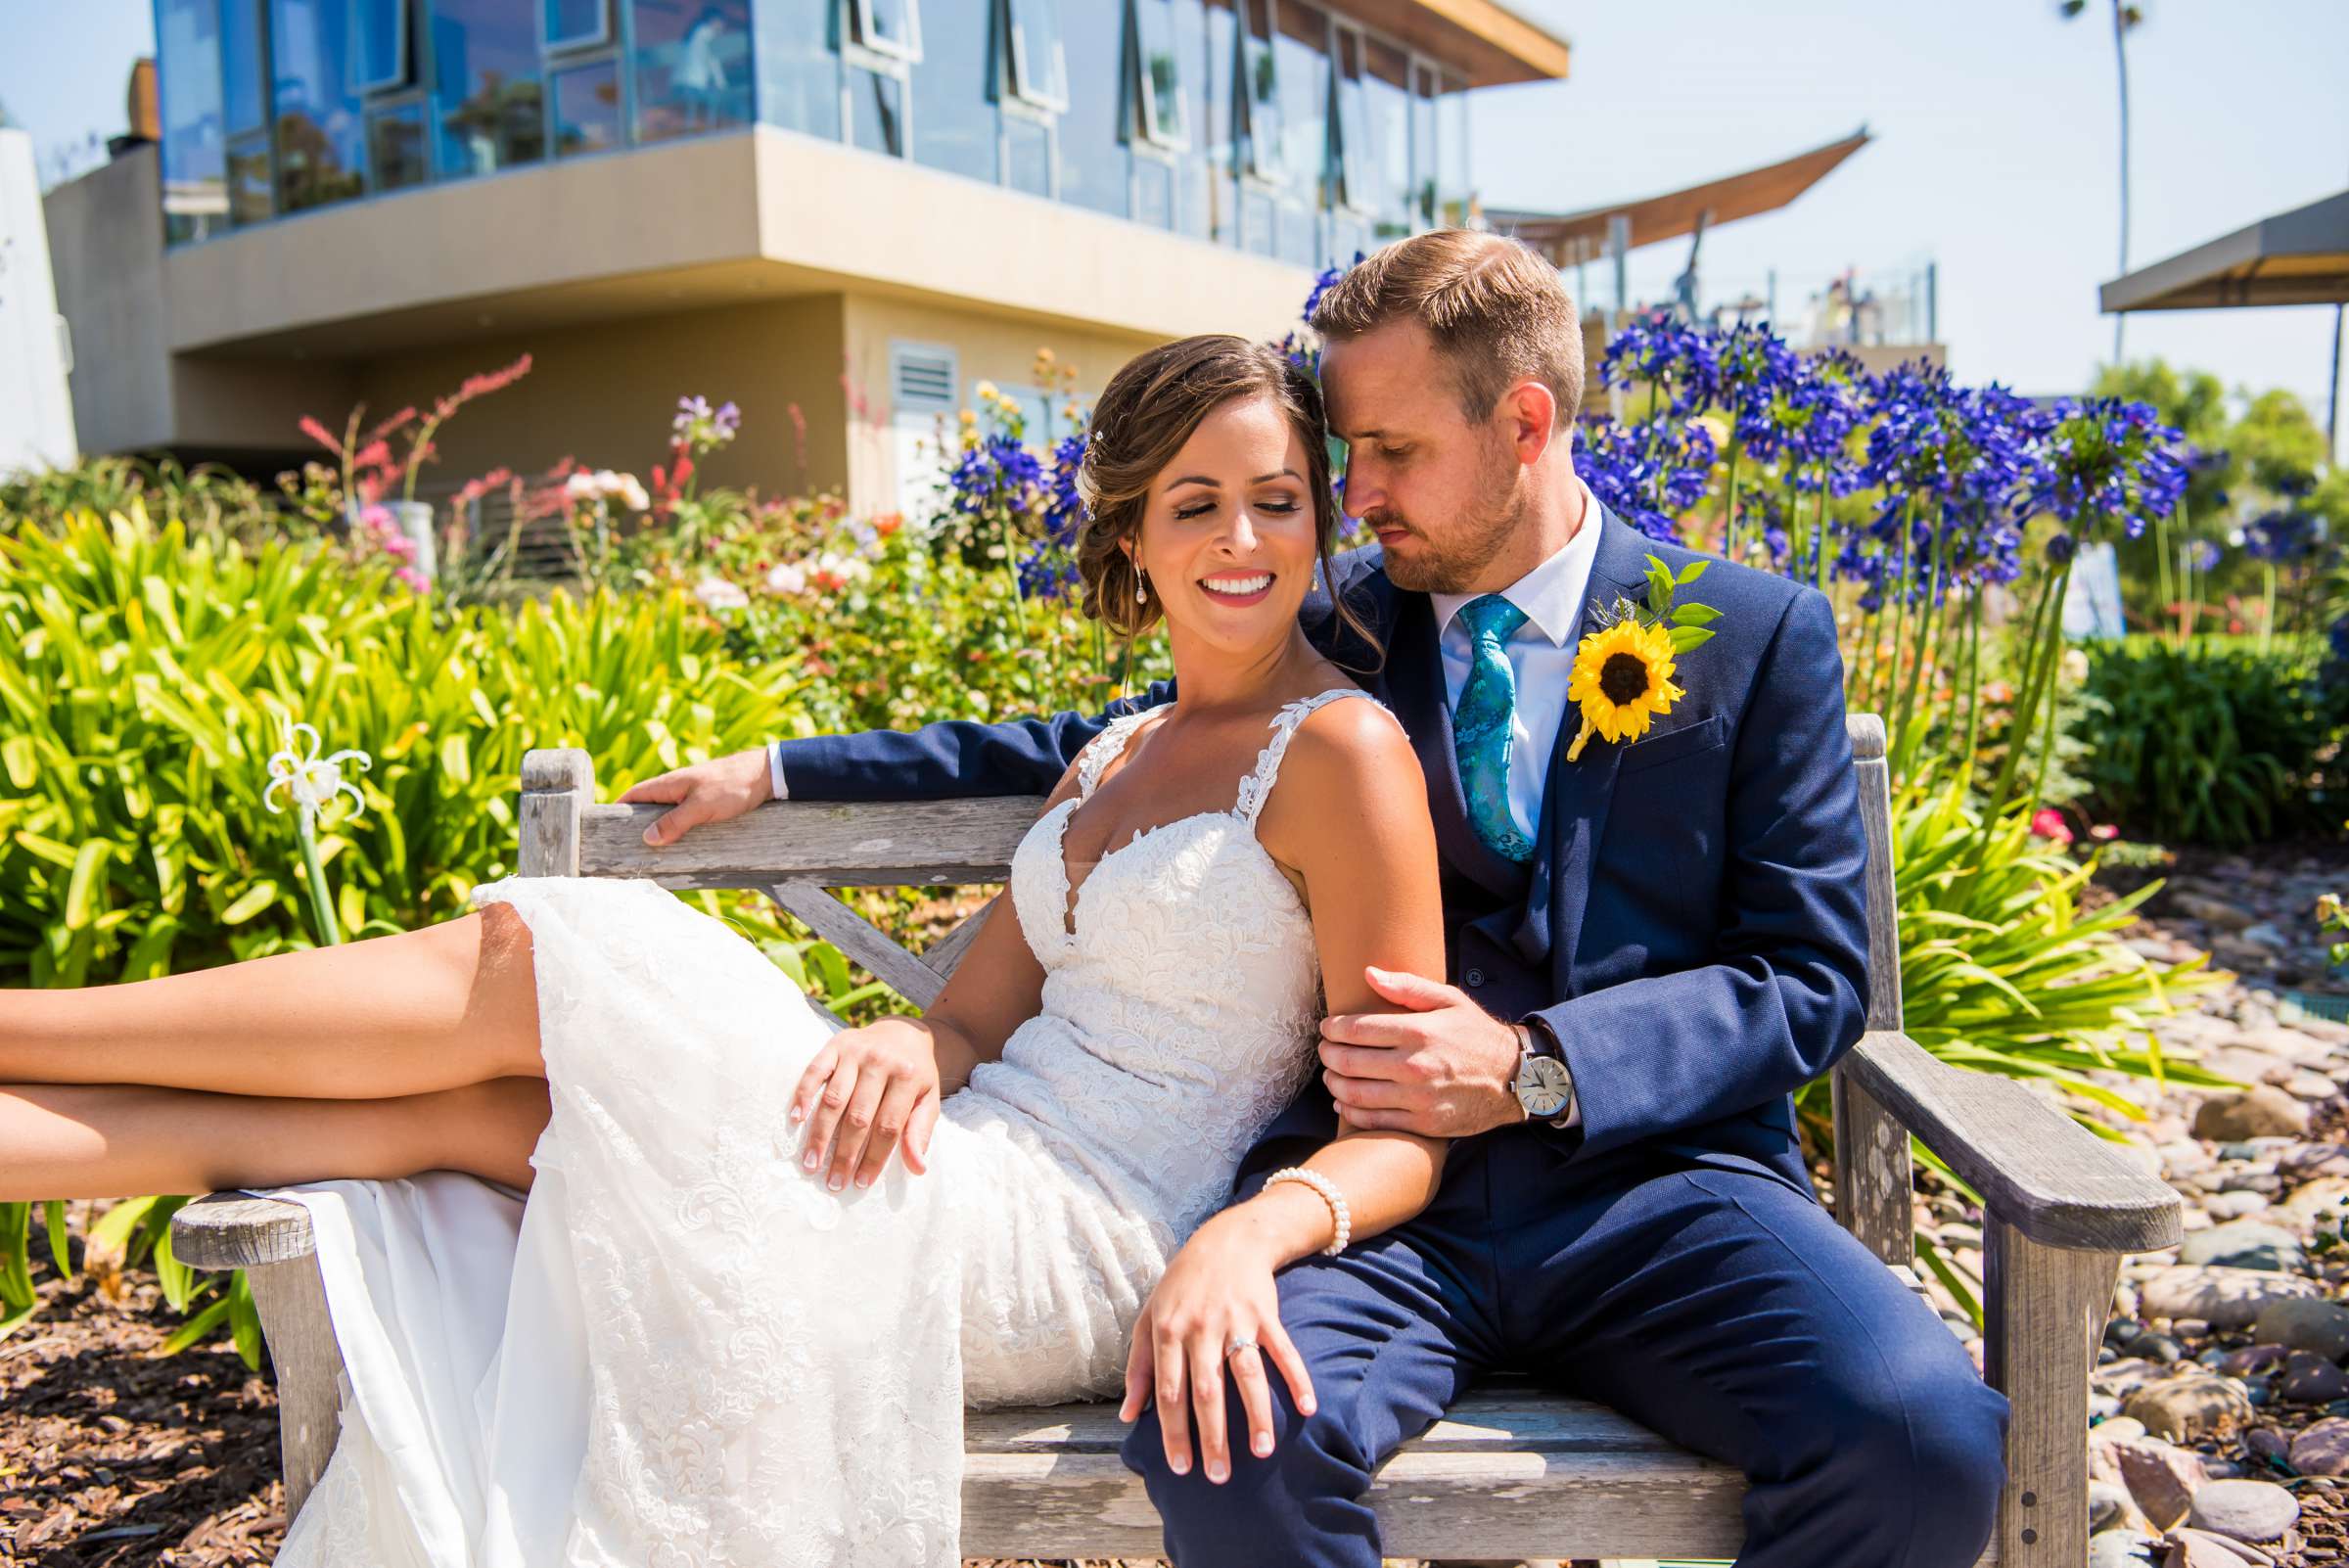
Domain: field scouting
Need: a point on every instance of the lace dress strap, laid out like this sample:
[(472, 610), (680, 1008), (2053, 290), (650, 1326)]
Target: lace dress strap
[(1095, 757), (1256, 787)]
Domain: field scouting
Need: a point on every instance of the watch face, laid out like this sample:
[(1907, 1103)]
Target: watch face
[(1543, 1087)]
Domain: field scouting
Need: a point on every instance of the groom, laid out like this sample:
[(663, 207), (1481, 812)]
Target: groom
[(1677, 924)]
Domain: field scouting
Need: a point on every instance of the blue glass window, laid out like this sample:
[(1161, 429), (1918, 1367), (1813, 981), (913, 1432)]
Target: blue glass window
[(877, 112), (587, 109), (892, 26), (250, 196), (1159, 112), (1302, 49), (395, 149), (1209, 36), (1453, 186), (1026, 155), (195, 150), (243, 78), (1386, 90), (574, 24), (321, 136), (798, 45), (379, 44), (1423, 147), (489, 102), (693, 66), (1040, 73), (955, 118), (1259, 97), (1093, 159)]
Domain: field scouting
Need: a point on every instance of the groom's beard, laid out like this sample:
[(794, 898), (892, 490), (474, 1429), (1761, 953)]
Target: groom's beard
[(1453, 559)]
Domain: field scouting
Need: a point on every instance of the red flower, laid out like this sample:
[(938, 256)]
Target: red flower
[(2048, 824)]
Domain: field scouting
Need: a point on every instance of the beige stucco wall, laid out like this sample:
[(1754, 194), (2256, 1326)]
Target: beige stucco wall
[(604, 393), (986, 348)]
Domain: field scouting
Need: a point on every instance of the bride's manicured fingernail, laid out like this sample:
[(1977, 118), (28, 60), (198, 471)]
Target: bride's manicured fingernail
[(1180, 1466), (836, 1183), (864, 1180), (1263, 1444)]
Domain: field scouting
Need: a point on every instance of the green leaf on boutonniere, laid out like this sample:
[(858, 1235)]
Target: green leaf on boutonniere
[(1695, 615), (1691, 572), (1684, 638)]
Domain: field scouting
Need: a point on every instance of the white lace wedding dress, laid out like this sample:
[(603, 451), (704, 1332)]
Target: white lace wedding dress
[(685, 1350)]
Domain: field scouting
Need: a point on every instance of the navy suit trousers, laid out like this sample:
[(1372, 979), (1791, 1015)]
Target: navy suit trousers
[(1716, 1305)]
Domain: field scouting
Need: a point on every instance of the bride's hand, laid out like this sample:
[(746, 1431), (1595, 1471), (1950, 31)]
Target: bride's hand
[(1217, 1292), (877, 1089)]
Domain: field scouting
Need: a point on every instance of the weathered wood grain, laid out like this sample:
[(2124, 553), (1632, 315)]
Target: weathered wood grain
[(557, 785), (2053, 1181), (239, 1231), (1874, 1199), (832, 844), (1883, 901), (946, 953), (2043, 1317), (291, 1300), (861, 939)]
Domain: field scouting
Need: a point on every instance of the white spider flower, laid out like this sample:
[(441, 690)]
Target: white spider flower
[(311, 781)]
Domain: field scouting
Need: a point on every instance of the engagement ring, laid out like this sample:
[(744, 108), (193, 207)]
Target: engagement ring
[(1237, 1346)]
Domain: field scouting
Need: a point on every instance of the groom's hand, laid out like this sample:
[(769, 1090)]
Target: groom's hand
[(706, 791), (1443, 1069)]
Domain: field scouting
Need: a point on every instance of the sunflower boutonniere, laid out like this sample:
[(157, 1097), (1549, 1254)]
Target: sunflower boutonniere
[(1623, 672)]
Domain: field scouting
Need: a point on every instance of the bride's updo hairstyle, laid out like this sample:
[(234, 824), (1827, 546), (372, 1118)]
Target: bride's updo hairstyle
[(1143, 417)]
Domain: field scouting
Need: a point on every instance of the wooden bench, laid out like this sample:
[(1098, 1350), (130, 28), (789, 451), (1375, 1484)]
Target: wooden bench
[(1511, 1472)]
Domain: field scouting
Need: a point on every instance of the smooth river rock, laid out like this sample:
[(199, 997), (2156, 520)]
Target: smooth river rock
[(2244, 1511), (2321, 1327), (2186, 1408), (2263, 1111), (2224, 1297)]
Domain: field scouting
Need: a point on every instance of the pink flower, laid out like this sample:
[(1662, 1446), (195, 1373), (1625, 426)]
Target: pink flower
[(414, 578), (399, 547), (2048, 824), (321, 434), (2104, 831)]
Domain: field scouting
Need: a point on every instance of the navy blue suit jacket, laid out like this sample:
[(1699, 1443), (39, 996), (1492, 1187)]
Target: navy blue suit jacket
[(1693, 926)]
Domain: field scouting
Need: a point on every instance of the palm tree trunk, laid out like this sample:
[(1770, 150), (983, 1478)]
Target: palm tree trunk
[(2120, 54)]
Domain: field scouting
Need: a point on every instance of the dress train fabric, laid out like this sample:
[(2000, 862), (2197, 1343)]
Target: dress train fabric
[(683, 1348)]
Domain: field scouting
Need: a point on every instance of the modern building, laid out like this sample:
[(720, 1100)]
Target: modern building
[(840, 215)]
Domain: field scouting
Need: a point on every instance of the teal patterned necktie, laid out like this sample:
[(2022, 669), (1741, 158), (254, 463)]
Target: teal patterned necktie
[(1483, 724)]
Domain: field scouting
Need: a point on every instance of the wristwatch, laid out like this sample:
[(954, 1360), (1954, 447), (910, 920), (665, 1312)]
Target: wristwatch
[(1544, 1084)]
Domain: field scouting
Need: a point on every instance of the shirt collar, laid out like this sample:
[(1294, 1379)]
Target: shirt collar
[(1552, 594)]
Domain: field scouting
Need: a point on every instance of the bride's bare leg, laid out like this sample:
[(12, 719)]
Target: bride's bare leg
[(80, 1140), (438, 1008)]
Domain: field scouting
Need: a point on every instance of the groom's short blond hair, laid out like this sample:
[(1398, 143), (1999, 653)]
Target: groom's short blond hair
[(1496, 311)]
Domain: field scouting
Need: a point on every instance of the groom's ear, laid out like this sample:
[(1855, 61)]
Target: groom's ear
[(1532, 410)]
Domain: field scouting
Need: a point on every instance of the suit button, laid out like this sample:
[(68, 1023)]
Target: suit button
[(1474, 977)]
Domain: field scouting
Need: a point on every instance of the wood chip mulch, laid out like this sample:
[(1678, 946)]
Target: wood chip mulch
[(110, 1456)]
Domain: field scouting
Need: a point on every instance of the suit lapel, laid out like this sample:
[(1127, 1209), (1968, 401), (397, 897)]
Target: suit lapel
[(1576, 794)]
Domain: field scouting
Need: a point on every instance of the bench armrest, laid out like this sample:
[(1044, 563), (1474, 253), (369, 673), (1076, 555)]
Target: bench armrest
[(2035, 1168), (239, 1231)]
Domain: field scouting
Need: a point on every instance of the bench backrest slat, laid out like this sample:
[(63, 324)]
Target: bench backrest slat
[(793, 850)]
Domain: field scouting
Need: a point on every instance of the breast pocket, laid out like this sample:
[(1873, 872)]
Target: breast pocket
[(1672, 744), (1662, 852)]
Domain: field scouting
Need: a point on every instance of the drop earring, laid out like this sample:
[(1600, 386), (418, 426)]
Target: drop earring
[(1141, 594)]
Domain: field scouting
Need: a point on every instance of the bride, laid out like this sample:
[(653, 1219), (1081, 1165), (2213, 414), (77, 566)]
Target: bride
[(763, 1265)]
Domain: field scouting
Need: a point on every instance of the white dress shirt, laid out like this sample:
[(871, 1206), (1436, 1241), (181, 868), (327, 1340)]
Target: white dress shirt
[(1541, 651)]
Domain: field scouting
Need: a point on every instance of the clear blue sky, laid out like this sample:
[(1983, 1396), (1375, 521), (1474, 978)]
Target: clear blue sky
[(1994, 156)]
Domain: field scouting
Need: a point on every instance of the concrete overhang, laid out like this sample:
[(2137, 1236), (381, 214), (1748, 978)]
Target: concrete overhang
[(2295, 258), (759, 214)]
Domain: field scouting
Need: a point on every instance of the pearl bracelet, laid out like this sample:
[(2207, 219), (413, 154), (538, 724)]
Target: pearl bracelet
[(1329, 1192)]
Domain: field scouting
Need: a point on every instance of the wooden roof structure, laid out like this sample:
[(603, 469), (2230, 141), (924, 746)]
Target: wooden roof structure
[(2295, 258), (1482, 40), (1571, 237)]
